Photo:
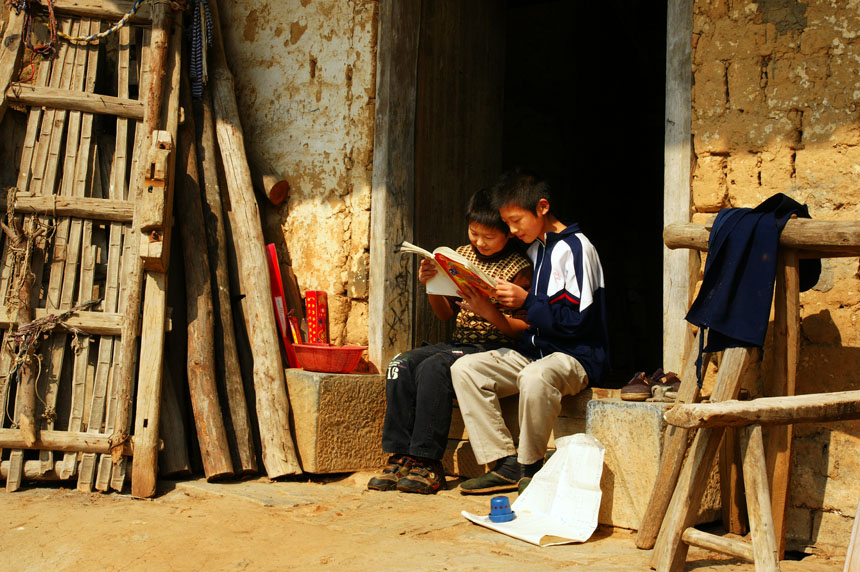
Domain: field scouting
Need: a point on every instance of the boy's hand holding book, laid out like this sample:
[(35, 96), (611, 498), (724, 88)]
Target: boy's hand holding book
[(475, 301), (509, 294), (426, 270)]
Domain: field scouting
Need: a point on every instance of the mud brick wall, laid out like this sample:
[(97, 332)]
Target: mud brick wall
[(775, 109), (305, 80)]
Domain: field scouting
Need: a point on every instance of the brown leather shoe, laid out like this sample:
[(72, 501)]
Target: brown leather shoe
[(398, 467)]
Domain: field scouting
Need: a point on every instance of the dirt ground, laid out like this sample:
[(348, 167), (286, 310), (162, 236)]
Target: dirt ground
[(332, 523)]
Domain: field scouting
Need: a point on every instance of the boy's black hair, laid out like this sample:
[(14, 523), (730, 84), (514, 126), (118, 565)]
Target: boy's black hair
[(522, 188), (482, 210)]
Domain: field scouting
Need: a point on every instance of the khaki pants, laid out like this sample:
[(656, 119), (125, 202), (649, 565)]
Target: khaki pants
[(481, 379)]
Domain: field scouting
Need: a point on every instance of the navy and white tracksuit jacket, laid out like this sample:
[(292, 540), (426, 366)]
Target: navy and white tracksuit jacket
[(566, 309)]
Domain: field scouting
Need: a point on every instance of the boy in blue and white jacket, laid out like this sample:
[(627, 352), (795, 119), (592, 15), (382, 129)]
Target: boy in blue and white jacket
[(564, 349)]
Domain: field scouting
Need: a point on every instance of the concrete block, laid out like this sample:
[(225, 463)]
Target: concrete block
[(337, 420), (632, 433)]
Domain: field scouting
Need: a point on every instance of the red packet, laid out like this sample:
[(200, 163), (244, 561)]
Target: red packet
[(316, 310), (295, 331), (280, 303)]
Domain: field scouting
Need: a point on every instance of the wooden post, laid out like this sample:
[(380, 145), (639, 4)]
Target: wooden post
[(173, 459), (211, 434), (671, 552), (273, 406), (390, 304), (674, 447), (852, 557), (786, 345), (132, 265), (764, 543), (678, 267), (226, 351)]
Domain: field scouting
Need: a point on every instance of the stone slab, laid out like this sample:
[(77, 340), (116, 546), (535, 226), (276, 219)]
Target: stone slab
[(632, 433), (337, 420)]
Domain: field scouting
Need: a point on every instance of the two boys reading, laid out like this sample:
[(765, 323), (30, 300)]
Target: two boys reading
[(557, 349)]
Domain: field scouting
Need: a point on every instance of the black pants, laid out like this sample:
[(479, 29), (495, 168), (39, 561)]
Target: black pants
[(419, 397)]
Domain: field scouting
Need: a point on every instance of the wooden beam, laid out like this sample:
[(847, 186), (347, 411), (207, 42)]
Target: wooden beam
[(94, 323), (78, 207), (104, 9), (55, 98), (393, 182), (721, 544), (678, 267), (809, 408), (63, 441), (765, 547), (675, 441), (813, 238), (273, 404)]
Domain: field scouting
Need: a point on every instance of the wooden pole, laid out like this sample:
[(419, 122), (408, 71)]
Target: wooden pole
[(674, 448), (852, 557), (173, 459), (226, 350), (671, 551), (132, 261), (273, 406), (211, 434), (764, 542), (808, 408), (10, 54), (721, 544)]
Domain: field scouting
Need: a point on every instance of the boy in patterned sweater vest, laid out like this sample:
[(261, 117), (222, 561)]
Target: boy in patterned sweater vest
[(418, 386)]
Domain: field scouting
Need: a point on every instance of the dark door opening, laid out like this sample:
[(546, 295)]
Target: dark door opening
[(575, 91)]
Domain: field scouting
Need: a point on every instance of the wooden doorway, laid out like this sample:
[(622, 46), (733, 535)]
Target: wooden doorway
[(572, 90)]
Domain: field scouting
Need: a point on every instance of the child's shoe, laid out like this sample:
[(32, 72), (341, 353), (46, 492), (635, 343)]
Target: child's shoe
[(425, 477), (398, 467)]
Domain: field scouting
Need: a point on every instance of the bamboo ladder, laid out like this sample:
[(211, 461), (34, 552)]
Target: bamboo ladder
[(683, 474), (85, 219)]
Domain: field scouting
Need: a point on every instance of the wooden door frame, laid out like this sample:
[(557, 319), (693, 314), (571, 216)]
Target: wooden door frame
[(390, 301), (393, 180), (678, 265)]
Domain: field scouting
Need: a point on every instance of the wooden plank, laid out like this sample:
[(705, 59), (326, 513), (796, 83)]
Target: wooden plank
[(730, 546), (675, 442), (94, 323), (10, 55), (732, 506), (104, 9), (764, 541), (671, 552), (813, 238), (273, 406), (63, 99), (783, 381), (202, 384), (226, 346), (808, 408), (678, 267), (63, 441), (83, 207), (393, 185)]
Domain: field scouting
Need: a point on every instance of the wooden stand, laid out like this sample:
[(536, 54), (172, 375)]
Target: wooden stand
[(766, 458)]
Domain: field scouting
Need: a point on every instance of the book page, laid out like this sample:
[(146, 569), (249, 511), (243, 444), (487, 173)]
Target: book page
[(466, 274), (439, 285), (409, 248)]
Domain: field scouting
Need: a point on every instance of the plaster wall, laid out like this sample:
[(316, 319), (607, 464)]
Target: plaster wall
[(776, 100), (305, 79)]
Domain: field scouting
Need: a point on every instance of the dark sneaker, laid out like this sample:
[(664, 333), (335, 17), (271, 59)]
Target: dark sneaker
[(489, 483), (398, 467), (424, 478)]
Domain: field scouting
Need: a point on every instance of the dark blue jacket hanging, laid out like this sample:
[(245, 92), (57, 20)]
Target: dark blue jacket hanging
[(737, 290)]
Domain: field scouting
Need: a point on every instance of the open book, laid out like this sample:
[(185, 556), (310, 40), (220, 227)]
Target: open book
[(453, 270)]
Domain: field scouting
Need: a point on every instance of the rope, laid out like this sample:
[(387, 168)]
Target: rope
[(44, 50), (100, 35), (201, 39)]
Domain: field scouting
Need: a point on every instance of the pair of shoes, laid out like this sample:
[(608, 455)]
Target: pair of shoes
[(521, 486), (490, 482), (425, 477), (642, 387), (398, 466)]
